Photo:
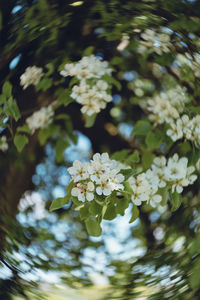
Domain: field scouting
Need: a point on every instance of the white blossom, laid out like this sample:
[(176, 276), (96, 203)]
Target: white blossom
[(101, 177), (40, 119), (32, 75), (83, 191), (3, 143), (154, 42)]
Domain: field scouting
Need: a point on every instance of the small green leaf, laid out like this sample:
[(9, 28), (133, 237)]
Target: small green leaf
[(20, 141), (127, 173), (47, 132), (153, 140), (60, 147), (142, 127), (95, 209), (176, 201), (147, 159), (84, 212), (121, 155), (58, 203), (89, 120), (121, 205), (135, 213), (7, 89), (93, 227), (88, 51), (23, 128), (110, 212)]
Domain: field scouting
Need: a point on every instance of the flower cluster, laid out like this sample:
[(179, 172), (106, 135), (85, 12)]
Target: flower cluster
[(92, 91), (3, 143), (32, 75), (92, 98), (167, 106), (40, 119), (187, 128), (101, 177), (154, 42), (174, 173)]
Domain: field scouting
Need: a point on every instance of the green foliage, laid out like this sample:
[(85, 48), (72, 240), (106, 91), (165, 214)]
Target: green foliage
[(60, 147), (176, 200), (60, 202), (142, 127), (90, 120), (93, 226), (20, 141)]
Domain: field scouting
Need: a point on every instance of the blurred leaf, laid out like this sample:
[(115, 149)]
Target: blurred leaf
[(142, 127), (60, 147), (93, 227), (7, 89), (176, 201), (153, 141), (135, 213), (20, 141), (89, 120)]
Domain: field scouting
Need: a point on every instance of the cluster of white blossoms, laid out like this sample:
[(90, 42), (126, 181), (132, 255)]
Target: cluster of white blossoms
[(92, 91), (41, 118), (173, 173), (186, 128), (155, 42), (101, 177), (32, 75), (3, 143), (166, 107), (188, 60)]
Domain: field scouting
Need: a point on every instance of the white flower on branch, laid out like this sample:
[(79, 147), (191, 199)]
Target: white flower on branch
[(31, 76), (40, 119)]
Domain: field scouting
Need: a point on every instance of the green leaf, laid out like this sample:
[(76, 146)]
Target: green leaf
[(164, 192), (127, 173), (60, 147), (88, 51), (121, 155), (147, 159), (89, 120), (44, 84), (93, 227), (84, 212), (142, 127), (176, 201), (47, 132), (121, 205), (12, 109), (135, 213), (133, 158), (20, 141), (7, 89), (110, 212), (153, 141), (59, 202), (23, 128), (50, 68), (95, 209)]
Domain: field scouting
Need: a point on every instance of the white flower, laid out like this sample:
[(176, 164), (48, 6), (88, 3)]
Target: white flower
[(32, 75), (79, 171), (3, 143), (154, 42), (83, 191), (103, 186), (40, 119), (154, 199)]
